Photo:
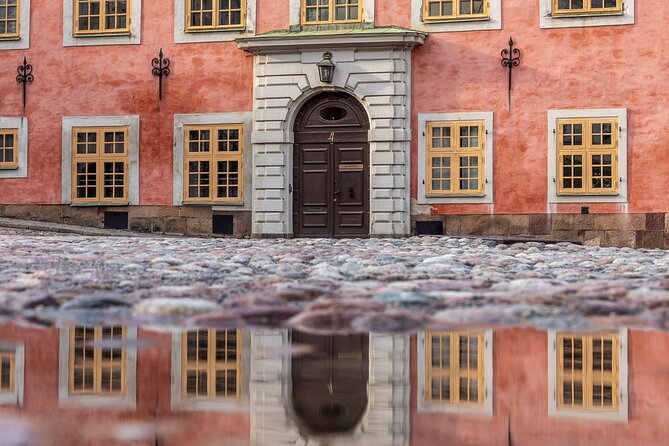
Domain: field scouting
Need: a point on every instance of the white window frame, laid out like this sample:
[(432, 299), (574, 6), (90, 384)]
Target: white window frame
[(15, 398), (217, 35), (623, 409), (128, 401), (134, 37), (179, 403), (132, 122), (549, 20), (22, 42), (426, 405), (494, 21), (181, 121), (296, 13), (487, 118), (22, 125), (621, 115)]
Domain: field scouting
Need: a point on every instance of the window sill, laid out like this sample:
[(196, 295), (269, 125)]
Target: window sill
[(215, 30), (586, 15), (10, 38), (9, 167), (459, 196), (213, 203), (98, 204), (456, 20), (102, 34)]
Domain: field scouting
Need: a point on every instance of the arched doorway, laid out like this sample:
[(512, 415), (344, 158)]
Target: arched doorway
[(331, 168), (330, 383)]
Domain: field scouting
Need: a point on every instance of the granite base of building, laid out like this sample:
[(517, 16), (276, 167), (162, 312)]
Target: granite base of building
[(177, 220), (618, 230)]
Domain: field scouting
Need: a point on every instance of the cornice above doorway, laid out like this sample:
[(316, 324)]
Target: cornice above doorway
[(290, 41)]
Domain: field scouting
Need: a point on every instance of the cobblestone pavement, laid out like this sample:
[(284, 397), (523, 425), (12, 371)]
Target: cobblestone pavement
[(323, 285)]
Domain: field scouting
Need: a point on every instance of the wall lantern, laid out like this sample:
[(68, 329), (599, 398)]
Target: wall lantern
[(326, 68)]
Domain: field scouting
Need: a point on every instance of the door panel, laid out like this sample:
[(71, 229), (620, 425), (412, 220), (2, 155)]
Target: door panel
[(330, 383), (331, 169)]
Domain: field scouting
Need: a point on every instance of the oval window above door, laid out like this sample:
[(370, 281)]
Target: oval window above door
[(332, 113)]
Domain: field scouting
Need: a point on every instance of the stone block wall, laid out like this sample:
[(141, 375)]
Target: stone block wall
[(649, 230), (177, 220)]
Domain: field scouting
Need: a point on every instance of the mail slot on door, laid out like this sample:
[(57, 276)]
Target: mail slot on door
[(351, 166)]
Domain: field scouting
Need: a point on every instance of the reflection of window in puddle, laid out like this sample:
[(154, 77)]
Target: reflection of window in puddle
[(11, 374), (455, 371), (210, 370), (96, 369), (211, 364), (587, 374), (455, 368)]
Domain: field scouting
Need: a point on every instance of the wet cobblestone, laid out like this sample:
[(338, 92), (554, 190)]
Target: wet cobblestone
[(328, 285)]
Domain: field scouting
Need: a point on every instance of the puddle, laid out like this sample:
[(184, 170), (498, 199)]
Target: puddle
[(140, 385)]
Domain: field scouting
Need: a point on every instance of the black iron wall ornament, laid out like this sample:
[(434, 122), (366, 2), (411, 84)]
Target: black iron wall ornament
[(25, 77), (161, 69), (510, 59)]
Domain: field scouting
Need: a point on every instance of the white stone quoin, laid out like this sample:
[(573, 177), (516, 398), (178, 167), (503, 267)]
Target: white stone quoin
[(374, 66)]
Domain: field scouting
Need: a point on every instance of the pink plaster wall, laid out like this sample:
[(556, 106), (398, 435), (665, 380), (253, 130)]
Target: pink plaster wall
[(593, 67), (54, 426), (520, 389)]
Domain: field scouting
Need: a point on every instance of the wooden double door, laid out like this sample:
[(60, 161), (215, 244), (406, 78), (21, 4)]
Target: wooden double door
[(330, 382), (331, 168)]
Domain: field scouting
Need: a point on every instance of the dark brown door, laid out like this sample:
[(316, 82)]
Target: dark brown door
[(330, 383), (331, 168)]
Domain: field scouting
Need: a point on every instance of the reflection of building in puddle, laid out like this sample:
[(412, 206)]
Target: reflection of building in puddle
[(103, 384), (347, 390)]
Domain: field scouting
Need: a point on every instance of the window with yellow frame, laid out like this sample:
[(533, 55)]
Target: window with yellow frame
[(319, 12), (582, 7), (10, 20), (97, 369), (100, 165), (101, 16), (436, 10), (9, 148), (455, 368), (455, 158), (213, 163), (211, 15), (211, 364), (587, 151), (588, 371), (7, 366)]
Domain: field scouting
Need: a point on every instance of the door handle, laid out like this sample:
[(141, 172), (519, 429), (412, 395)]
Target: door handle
[(337, 192), (350, 192)]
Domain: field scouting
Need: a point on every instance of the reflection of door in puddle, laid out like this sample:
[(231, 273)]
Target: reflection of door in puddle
[(330, 383)]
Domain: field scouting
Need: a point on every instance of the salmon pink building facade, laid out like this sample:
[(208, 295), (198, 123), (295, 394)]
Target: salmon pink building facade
[(357, 118)]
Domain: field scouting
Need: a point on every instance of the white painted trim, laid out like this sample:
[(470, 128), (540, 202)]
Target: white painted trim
[(296, 15), (178, 403), (22, 125), (23, 41), (618, 113), (423, 119), (127, 401), (244, 118), (15, 398), (101, 121), (623, 410), (493, 22), (131, 38), (547, 20), (425, 405), (182, 36)]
